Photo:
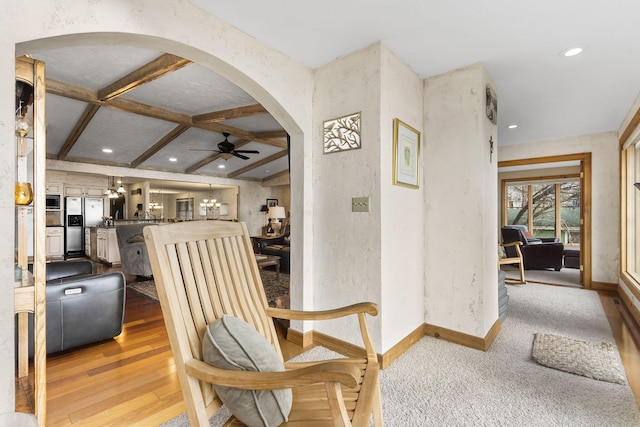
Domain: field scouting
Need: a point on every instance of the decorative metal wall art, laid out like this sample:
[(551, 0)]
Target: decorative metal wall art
[(342, 133), (492, 105)]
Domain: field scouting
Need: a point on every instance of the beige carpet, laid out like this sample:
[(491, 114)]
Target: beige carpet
[(273, 286), (564, 277), (437, 383)]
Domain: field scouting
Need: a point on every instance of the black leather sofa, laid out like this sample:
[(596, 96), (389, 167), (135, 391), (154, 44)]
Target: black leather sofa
[(278, 246), (537, 254), (82, 308)]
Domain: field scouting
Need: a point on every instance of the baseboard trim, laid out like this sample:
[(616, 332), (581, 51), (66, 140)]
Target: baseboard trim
[(466, 340), (405, 344), (312, 338), (604, 286), (304, 340), (631, 313)]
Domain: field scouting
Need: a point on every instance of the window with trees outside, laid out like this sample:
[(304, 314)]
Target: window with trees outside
[(548, 209)]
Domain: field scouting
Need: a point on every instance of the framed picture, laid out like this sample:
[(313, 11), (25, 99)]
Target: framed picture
[(406, 154), (272, 202)]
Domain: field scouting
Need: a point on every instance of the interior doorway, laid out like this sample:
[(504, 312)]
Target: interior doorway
[(539, 179), (116, 207)]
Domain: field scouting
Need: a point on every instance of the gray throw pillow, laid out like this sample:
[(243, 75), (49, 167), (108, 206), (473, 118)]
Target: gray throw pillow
[(231, 343)]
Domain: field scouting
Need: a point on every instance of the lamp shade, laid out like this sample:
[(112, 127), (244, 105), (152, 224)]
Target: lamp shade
[(277, 212)]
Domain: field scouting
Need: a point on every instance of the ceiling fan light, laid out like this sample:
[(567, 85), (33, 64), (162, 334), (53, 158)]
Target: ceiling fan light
[(226, 156)]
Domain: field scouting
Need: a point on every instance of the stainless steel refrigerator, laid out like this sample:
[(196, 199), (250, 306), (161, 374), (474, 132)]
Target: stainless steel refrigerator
[(80, 213), (73, 226), (93, 211)]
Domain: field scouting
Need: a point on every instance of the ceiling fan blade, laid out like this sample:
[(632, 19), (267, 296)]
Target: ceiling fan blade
[(240, 156), (204, 149), (247, 151)]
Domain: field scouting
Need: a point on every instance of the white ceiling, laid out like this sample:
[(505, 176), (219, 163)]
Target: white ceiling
[(548, 95), (520, 42)]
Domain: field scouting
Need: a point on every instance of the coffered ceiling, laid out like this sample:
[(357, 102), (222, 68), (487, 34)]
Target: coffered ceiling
[(143, 109)]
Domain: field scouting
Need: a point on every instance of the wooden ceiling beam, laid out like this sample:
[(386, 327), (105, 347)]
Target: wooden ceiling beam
[(90, 96), (157, 68), (80, 126), (259, 163), (231, 113), (202, 163), (271, 134), (176, 132)]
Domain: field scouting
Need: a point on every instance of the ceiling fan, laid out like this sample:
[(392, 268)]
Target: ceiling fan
[(227, 149)]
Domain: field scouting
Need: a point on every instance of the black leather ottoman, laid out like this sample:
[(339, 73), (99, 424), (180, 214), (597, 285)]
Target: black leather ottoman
[(572, 257)]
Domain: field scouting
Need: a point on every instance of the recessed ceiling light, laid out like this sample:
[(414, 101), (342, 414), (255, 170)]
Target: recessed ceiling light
[(221, 166), (107, 150), (173, 159), (267, 171), (572, 51), (513, 126)]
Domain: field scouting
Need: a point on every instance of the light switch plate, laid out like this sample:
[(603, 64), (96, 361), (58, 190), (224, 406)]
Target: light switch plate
[(360, 204)]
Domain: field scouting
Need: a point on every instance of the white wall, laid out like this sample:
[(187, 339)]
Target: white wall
[(347, 250), (605, 196), (377, 255), (460, 204), (402, 209)]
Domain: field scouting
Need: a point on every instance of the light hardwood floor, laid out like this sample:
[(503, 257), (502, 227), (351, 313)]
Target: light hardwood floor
[(131, 380)]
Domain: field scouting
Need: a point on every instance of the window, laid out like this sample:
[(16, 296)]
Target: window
[(631, 223), (184, 209), (630, 216), (550, 208)]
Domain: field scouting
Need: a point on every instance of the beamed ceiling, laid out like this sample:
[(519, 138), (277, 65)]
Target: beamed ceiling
[(155, 111)]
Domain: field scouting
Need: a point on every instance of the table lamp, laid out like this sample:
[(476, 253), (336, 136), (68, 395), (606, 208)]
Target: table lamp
[(275, 214)]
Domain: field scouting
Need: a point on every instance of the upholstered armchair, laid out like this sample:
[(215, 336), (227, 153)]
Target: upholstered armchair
[(278, 246), (82, 307), (133, 251), (537, 253)]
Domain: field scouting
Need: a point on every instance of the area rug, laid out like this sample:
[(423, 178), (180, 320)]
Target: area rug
[(590, 359), (273, 287)]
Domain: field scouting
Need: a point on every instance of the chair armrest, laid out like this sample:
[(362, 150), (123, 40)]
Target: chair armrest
[(342, 371), (506, 245), (360, 309), (549, 239), (364, 307), (273, 241)]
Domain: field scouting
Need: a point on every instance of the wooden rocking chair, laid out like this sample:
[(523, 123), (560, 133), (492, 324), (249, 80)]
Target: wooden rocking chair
[(206, 269)]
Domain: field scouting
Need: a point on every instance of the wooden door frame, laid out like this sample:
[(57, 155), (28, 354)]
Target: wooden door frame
[(585, 211)]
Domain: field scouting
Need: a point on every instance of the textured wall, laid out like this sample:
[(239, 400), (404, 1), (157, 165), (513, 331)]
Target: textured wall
[(461, 204), (281, 84)]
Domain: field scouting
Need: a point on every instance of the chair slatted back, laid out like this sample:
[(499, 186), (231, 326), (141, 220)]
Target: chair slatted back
[(202, 270)]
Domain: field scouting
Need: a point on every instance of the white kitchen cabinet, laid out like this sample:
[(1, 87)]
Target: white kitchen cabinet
[(83, 191), (54, 188), (55, 242), (87, 241), (107, 245)]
